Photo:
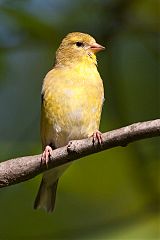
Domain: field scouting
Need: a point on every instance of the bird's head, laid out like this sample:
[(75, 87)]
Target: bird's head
[(76, 47)]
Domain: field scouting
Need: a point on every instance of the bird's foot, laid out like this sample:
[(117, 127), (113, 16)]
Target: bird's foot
[(46, 154), (97, 136)]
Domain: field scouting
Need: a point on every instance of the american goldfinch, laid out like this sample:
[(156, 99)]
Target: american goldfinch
[(72, 99)]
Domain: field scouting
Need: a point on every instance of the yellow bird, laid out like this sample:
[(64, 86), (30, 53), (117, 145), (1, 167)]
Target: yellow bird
[(72, 99)]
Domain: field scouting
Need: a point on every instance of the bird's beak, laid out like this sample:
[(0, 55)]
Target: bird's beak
[(95, 47)]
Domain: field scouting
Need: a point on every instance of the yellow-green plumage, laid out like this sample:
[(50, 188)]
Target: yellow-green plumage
[(72, 98)]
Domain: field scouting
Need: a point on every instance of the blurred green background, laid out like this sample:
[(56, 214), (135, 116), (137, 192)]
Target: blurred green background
[(110, 195)]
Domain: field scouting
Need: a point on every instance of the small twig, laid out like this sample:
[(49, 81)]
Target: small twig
[(21, 169)]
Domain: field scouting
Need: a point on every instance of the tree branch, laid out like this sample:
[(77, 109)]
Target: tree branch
[(21, 169)]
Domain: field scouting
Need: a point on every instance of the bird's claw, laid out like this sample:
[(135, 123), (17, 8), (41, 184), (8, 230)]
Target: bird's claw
[(97, 136), (46, 155)]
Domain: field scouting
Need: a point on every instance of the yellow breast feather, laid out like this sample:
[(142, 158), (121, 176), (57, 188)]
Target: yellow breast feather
[(72, 102)]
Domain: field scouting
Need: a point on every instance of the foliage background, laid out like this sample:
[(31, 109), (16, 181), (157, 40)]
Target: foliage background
[(110, 195)]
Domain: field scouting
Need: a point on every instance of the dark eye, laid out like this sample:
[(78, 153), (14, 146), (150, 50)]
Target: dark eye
[(79, 44)]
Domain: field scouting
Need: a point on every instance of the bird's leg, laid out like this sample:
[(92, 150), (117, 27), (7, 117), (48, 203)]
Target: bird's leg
[(46, 154), (97, 135)]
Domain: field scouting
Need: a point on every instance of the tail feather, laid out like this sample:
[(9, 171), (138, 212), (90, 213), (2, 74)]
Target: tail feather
[(46, 196)]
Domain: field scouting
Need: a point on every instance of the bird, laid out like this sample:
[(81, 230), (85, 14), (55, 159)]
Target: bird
[(72, 99)]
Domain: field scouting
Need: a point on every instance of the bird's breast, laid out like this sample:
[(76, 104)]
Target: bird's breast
[(73, 110)]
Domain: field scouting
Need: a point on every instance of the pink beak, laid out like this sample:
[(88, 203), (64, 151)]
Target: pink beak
[(95, 47)]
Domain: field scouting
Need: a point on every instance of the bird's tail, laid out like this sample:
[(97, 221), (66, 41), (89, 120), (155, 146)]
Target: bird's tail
[(46, 196)]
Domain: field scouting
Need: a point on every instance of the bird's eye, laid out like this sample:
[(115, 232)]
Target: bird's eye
[(79, 44)]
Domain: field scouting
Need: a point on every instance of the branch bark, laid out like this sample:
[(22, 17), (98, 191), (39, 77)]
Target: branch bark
[(23, 168)]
